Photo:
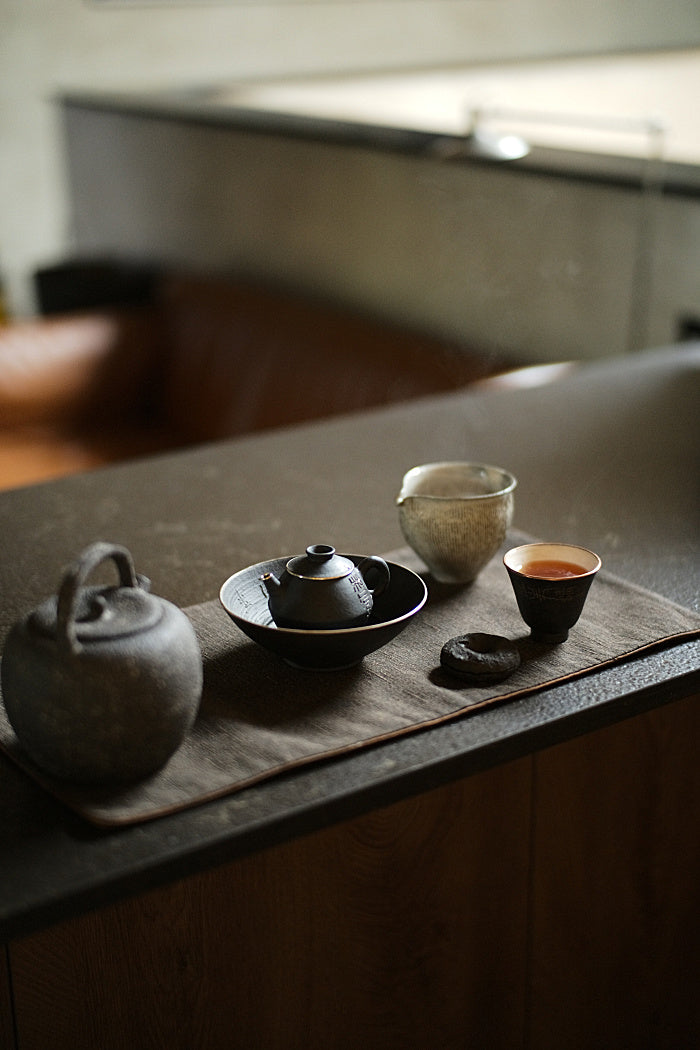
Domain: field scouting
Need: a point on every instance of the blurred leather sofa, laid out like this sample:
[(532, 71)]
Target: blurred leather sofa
[(197, 359)]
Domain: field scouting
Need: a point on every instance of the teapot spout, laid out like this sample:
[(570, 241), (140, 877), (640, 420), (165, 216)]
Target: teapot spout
[(270, 581)]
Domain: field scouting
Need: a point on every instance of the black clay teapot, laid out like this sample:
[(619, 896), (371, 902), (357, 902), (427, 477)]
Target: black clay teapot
[(101, 683), (322, 590)]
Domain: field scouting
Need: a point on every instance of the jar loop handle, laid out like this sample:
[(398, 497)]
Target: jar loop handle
[(74, 578)]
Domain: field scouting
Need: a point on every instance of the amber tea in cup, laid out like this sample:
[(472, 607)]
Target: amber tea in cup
[(551, 582), (552, 569)]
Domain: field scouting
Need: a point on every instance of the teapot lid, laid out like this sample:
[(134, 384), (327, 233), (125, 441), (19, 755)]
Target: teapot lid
[(100, 613), (320, 563), (78, 614)]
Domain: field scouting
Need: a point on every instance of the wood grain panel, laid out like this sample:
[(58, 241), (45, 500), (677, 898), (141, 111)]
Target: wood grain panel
[(7, 1035), (405, 928), (616, 893)]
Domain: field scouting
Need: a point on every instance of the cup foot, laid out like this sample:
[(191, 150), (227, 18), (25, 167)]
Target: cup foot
[(549, 639), (453, 581)]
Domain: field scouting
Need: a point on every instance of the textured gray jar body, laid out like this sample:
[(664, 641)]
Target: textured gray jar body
[(111, 705)]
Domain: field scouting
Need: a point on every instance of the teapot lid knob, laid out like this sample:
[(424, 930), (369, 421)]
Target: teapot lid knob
[(320, 552), (320, 562)]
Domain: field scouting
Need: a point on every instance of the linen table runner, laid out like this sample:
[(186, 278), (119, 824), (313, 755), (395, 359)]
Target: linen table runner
[(260, 717)]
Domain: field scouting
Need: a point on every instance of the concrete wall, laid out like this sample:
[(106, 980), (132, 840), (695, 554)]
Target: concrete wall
[(47, 46), (539, 268)]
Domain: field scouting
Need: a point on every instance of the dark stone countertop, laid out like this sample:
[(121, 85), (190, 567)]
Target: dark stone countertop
[(607, 457)]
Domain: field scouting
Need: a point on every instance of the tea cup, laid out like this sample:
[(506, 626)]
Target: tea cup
[(455, 516), (551, 583)]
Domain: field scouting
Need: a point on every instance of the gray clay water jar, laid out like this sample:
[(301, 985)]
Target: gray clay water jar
[(101, 683)]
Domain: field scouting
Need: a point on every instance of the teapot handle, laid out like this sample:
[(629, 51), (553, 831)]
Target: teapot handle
[(74, 578), (375, 565)]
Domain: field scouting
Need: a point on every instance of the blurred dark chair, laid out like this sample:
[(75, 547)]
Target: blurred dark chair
[(146, 361)]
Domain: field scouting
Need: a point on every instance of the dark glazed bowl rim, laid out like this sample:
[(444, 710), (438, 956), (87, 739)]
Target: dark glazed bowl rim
[(245, 601)]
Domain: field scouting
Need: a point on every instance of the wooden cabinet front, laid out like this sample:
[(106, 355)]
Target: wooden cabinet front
[(550, 902)]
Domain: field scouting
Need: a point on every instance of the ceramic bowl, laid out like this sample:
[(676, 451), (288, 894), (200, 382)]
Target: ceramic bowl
[(455, 516), (245, 600)]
